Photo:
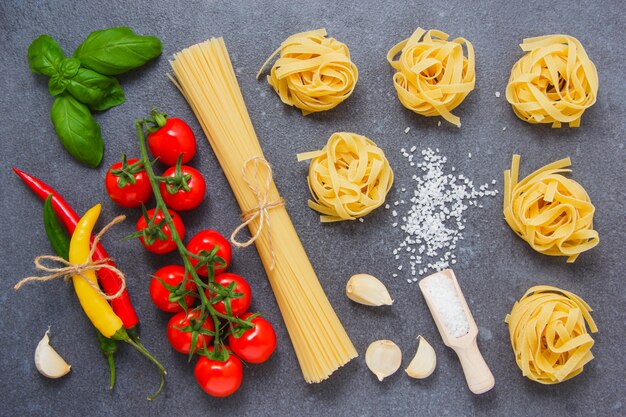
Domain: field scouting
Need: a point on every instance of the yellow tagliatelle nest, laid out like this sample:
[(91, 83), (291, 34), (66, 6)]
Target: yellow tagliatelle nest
[(313, 73), (555, 82), (348, 178), (548, 334), (549, 211), (434, 76)]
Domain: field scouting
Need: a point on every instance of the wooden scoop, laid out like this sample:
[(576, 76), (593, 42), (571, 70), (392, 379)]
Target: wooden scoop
[(477, 374)]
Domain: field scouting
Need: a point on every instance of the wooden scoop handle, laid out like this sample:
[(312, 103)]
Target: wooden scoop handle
[(477, 374)]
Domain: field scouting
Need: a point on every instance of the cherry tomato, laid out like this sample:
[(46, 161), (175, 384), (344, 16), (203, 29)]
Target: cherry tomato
[(184, 200), (175, 137), (219, 379), (172, 275), (207, 240), (238, 305), (181, 340), (127, 183), (161, 246), (256, 345)]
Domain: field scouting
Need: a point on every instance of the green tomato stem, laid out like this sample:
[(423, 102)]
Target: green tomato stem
[(206, 302)]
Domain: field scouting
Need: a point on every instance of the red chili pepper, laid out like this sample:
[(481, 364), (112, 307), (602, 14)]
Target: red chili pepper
[(109, 281)]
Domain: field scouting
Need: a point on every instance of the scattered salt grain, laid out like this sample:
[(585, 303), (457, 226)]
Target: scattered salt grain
[(434, 220), (497, 94), (447, 303), (361, 219), (439, 123), (407, 130), (504, 128), (469, 155)]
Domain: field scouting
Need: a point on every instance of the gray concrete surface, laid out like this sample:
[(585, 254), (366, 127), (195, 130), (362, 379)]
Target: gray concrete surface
[(494, 267)]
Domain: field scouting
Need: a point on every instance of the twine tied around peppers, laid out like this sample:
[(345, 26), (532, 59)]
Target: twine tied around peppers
[(261, 211), (69, 270)]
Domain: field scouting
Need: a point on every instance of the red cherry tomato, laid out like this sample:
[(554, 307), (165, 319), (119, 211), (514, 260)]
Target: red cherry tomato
[(161, 246), (172, 275), (175, 137), (207, 240), (181, 340), (184, 200), (238, 305), (219, 379), (130, 187), (256, 345)]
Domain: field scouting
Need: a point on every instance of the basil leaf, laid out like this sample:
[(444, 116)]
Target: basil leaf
[(45, 56), (57, 85), (117, 50), (69, 67), (77, 130), (97, 91)]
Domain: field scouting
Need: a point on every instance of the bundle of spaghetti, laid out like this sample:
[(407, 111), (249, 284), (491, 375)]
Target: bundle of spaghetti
[(555, 82), (313, 73), (552, 213), (205, 76), (548, 334), (433, 74), (348, 178)]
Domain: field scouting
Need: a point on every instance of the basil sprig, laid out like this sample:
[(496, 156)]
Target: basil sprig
[(117, 50), (84, 83)]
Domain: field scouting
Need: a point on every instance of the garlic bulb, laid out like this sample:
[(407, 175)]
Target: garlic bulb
[(424, 362), (48, 362), (383, 358), (368, 290)]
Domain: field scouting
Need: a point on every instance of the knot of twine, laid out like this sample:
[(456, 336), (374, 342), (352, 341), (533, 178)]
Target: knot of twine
[(261, 211), (69, 270)]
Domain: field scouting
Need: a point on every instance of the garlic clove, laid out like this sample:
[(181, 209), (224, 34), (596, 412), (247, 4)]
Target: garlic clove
[(48, 362), (368, 290), (383, 358), (424, 362)]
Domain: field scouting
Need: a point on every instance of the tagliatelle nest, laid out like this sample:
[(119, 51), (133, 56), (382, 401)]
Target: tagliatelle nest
[(433, 74), (348, 178), (555, 82), (313, 73), (548, 334), (552, 213)]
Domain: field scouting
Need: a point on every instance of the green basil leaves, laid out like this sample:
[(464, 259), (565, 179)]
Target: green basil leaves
[(84, 83), (77, 130), (117, 50), (98, 91), (45, 56)]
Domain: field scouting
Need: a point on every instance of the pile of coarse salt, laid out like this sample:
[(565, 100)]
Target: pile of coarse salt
[(446, 301), (434, 222)]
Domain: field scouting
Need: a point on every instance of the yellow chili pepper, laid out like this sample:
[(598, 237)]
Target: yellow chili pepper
[(94, 304)]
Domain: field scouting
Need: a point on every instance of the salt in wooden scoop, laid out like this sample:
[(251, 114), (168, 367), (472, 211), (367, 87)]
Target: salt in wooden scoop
[(457, 327)]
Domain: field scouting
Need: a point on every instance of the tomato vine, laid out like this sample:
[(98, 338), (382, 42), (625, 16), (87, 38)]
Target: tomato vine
[(206, 308)]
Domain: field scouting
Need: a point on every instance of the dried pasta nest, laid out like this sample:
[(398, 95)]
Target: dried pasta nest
[(552, 213), (549, 336), (433, 74), (348, 178), (555, 82), (313, 73)]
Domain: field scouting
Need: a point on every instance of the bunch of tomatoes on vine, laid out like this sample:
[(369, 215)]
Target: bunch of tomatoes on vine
[(210, 305)]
